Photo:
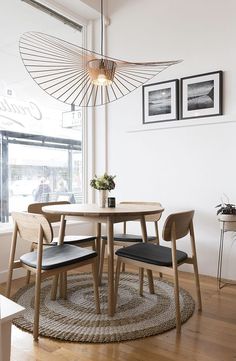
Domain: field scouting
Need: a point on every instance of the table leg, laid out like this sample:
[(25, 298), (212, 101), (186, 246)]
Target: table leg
[(54, 287), (98, 250), (110, 258), (149, 272), (62, 230)]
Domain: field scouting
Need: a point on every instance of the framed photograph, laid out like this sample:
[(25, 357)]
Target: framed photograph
[(201, 95), (160, 102)]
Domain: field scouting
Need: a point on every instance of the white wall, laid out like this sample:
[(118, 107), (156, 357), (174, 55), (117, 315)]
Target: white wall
[(192, 163)]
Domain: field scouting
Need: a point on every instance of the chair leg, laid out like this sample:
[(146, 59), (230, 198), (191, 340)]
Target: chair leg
[(27, 279), (177, 304), (150, 281), (157, 239), (123, 267), (141, 281), (37, 306), (95, 286), (63, 285), (38, 284), (9, 282), (149, 272), (117, 279)]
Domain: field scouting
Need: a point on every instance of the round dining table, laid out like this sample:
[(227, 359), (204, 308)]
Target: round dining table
[(109, 216)]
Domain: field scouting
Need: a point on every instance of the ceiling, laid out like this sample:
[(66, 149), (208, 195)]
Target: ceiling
[(88, 9)]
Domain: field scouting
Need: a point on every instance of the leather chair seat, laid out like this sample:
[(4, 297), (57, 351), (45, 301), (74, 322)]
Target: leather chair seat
[(126, 237), (151, 253), (58, 256)]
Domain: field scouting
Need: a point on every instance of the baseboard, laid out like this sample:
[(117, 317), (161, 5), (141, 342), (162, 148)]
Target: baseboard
[(17, 273)]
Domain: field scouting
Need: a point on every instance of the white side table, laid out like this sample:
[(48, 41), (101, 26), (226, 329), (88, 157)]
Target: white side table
[(8, 311)]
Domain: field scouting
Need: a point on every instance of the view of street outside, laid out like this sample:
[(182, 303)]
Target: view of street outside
[(34, 170)]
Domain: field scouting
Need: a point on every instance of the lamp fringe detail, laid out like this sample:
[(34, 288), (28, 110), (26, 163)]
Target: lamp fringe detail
[(75, 75)]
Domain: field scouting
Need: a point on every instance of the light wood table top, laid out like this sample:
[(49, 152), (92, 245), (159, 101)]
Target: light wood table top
[(90, 210)]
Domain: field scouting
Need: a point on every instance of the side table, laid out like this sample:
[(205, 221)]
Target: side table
[(8, 311), (227, 224)]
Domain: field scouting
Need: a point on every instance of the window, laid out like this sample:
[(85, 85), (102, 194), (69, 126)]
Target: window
[(41, 139), (40, 169)]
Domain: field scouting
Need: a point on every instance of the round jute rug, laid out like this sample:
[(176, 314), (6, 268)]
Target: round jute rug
[(75, 319)]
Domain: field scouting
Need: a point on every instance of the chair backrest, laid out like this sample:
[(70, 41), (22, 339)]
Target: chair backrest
[(37, 208), (150, 218), (181, 221), (28, 226)]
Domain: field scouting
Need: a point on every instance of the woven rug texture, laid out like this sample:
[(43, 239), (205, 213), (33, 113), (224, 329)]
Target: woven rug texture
[(75, 319)]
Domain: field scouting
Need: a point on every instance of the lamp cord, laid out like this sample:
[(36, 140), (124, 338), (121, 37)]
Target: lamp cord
[(102, 28)]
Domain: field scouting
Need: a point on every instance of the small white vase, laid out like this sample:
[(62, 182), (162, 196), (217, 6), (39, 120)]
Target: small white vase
[(103, 194)]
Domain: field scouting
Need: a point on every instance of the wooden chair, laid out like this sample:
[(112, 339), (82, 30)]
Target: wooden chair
[(126, 239), (45, 262), (75, 240), (164, 259)]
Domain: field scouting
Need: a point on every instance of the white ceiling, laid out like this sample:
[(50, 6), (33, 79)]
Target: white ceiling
[(87, 9)]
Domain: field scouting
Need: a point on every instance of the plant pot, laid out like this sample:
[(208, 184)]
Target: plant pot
[(227, 222), (103, 194)]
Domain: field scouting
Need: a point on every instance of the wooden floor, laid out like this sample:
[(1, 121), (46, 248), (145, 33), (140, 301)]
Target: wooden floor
[(209, 336)]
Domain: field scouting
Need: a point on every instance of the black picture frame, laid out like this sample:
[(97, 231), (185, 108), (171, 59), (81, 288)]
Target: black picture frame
[(201, 95), (161, 101)]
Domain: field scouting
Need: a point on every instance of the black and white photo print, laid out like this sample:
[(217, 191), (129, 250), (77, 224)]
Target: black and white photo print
[(160, 102), (201, 95)]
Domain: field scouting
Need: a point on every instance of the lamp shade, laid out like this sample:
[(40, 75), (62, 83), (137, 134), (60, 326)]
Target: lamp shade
[(101, 71)]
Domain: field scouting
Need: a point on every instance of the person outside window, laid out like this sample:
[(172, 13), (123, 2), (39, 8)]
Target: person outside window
[(42, 192), (62, 186)]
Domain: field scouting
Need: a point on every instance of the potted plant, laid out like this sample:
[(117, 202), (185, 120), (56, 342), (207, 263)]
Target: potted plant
[(227, 216), (104, 184)]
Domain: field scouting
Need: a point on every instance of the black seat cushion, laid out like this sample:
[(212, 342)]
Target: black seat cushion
[(151, 253), (125, 237), (74, 240), (58, 256)]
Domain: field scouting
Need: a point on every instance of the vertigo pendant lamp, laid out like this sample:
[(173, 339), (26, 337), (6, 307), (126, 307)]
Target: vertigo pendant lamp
[(81, 77)]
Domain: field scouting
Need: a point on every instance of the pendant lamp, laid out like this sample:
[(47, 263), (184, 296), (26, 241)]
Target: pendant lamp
[(81, 77)]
